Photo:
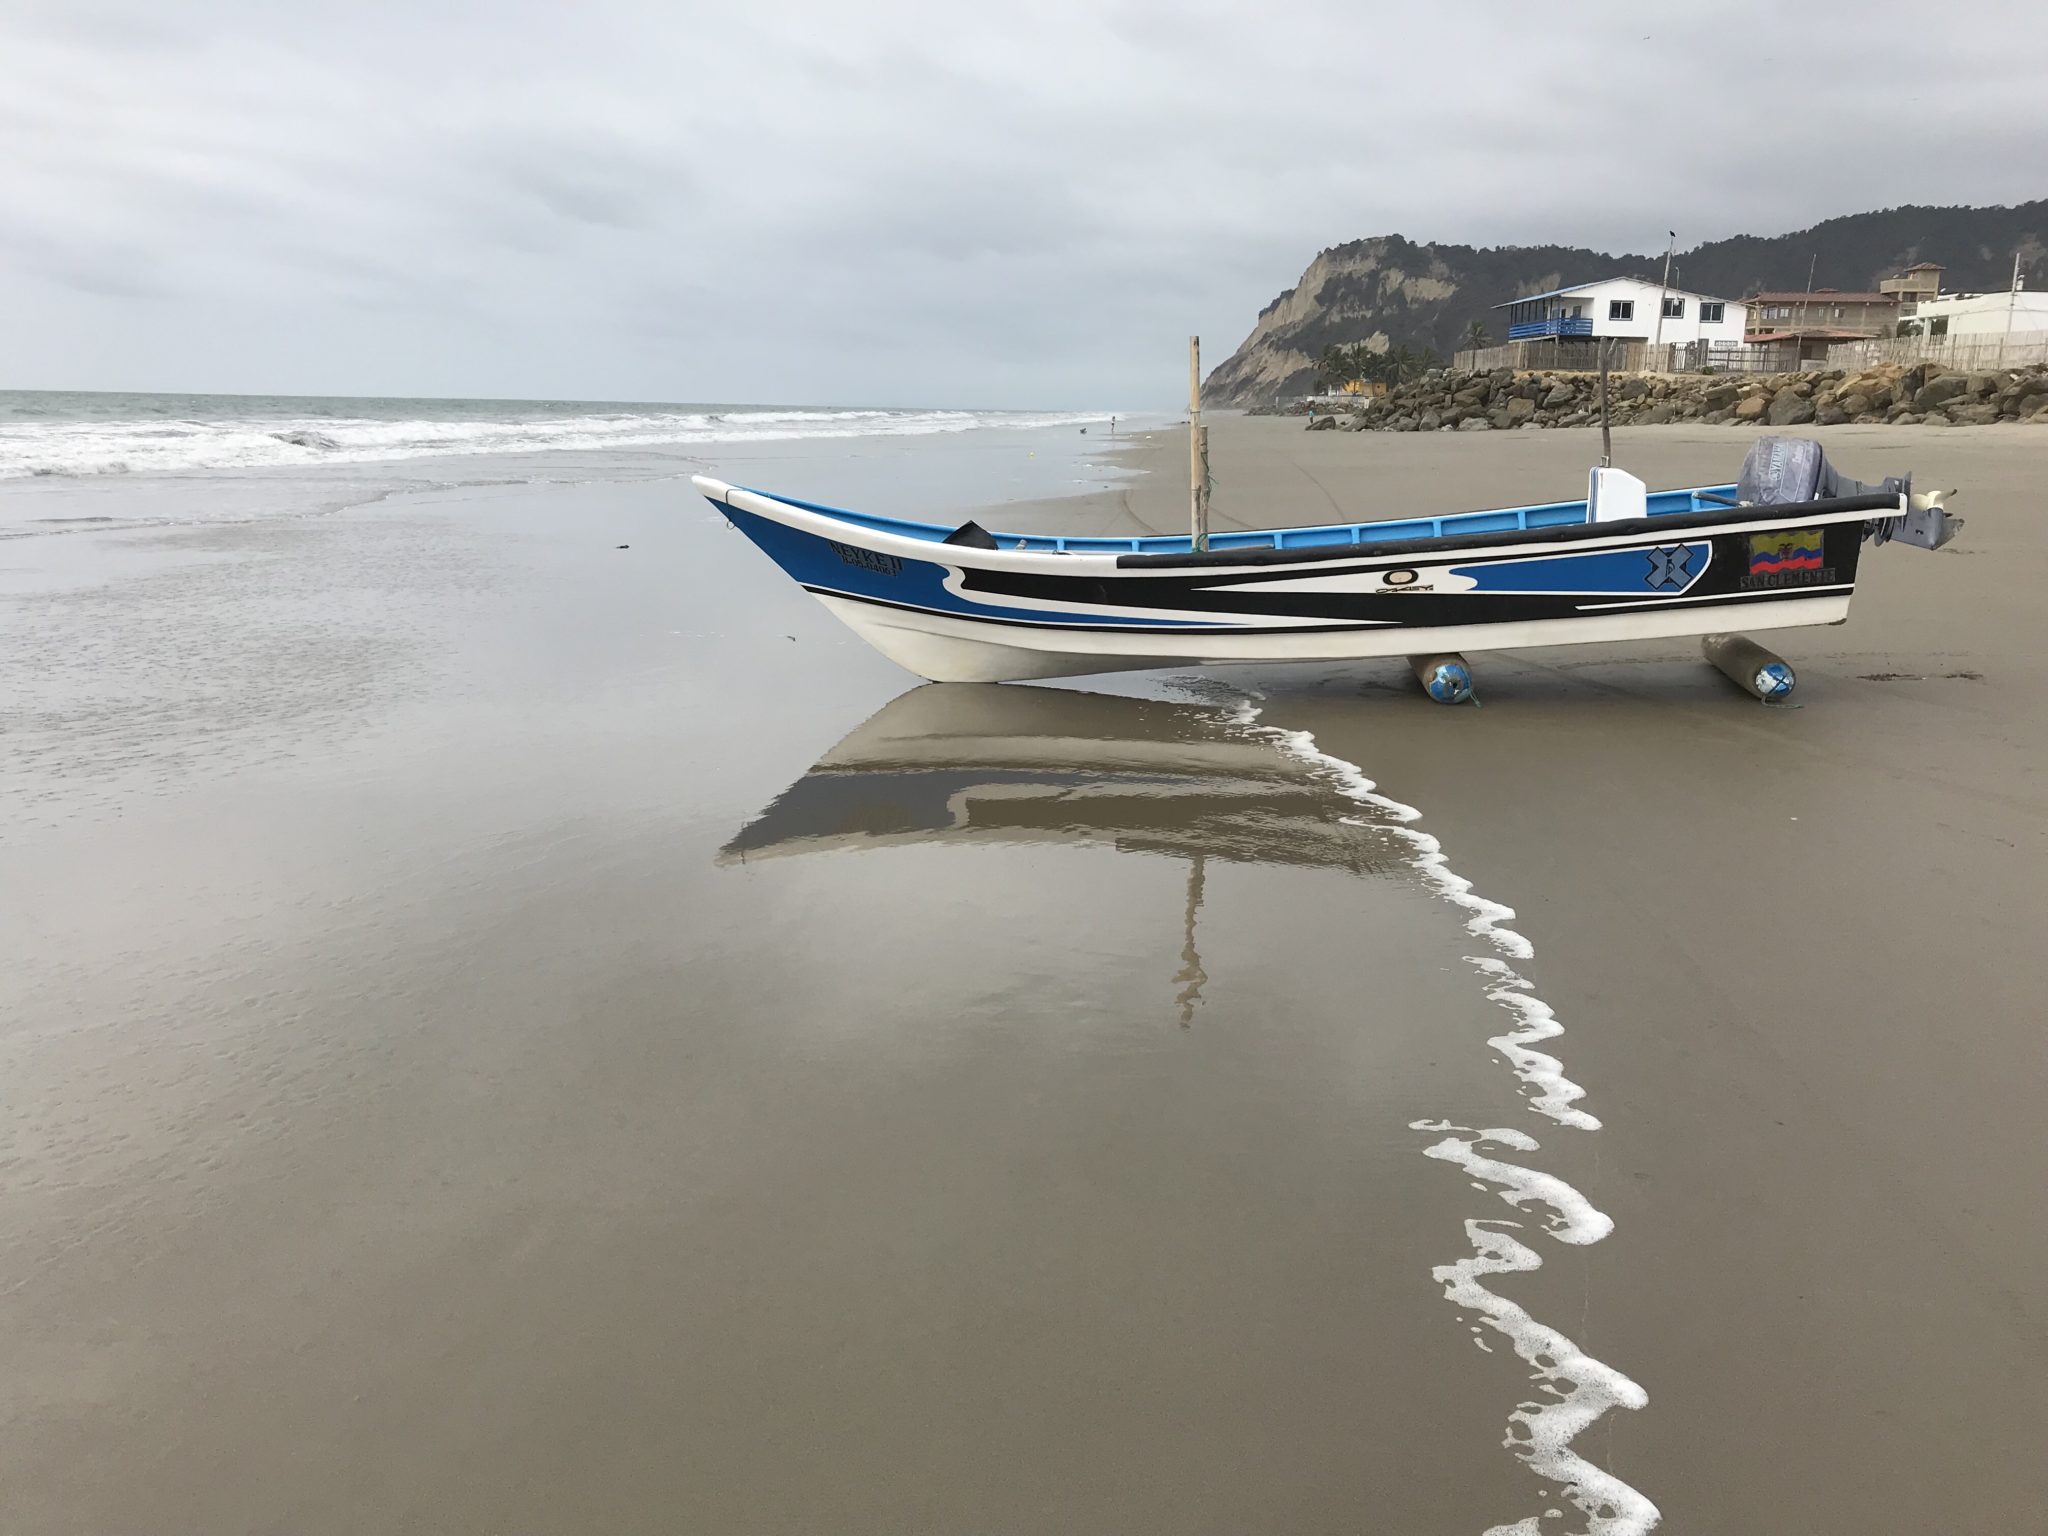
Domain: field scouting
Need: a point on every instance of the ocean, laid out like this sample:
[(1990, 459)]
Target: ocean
[(45, 432), (86, 462)]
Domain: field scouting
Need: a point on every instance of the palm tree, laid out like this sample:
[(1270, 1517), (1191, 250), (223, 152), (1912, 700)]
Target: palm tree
[(1405, 362), (1475, 335)]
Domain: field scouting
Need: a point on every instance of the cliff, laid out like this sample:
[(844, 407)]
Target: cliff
[(1389, 291)]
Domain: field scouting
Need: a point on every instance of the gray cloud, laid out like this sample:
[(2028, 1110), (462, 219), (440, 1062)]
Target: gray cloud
[(893, 202)]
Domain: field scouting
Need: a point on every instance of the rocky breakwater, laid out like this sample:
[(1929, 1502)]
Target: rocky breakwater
[(1925, 394)]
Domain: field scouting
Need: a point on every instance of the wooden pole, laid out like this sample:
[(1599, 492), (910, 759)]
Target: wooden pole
[(1606, 439), (1198, 451)]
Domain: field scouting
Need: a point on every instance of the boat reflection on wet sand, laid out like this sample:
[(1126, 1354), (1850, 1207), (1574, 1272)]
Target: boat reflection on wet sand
[(968, 764), (959, 762)]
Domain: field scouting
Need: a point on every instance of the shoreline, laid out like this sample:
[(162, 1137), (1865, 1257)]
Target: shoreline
[(357, 857)]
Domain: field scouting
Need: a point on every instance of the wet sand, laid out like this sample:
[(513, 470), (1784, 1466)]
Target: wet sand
[(1798, 953), (509, 1033)]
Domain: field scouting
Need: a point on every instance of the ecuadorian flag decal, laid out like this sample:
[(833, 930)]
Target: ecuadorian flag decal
[(1783, 552)]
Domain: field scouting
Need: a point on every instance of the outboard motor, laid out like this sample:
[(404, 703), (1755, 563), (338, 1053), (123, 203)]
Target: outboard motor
[(1782, 471)]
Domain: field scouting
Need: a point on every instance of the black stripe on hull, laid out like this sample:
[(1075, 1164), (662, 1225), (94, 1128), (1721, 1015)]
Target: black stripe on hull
[(1179, 593), (1498, 610)]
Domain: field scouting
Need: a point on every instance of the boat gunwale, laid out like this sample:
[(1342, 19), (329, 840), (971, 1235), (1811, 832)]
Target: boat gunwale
[(1505, 542), (1527, 519), (1832, 508)]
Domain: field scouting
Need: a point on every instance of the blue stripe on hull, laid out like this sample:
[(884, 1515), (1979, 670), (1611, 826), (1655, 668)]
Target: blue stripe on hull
[(817, 562), (1607, 572)]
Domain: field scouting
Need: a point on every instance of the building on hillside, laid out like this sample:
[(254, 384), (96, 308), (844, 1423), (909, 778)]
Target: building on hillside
[(1980, 314), (1858, 314), (1813, 322), (1915, 285), (1625, 308)]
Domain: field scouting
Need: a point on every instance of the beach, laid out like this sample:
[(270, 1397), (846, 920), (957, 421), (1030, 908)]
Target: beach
[(517, 1021)]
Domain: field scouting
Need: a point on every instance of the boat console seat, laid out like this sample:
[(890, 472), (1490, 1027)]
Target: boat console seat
[(1615, 496)]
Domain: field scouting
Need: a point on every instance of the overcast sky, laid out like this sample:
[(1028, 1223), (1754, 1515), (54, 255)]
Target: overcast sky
[(875, 202)]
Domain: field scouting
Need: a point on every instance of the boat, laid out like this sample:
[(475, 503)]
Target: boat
[(1777, 547)]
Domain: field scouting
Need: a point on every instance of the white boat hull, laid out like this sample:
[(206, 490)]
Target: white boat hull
[(950, 650)]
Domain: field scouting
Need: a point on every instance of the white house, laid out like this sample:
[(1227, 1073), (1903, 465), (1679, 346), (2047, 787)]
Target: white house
[(1626, 308), (1981, 314)]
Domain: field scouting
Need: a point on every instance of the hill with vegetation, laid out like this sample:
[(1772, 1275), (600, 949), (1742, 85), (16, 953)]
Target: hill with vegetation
[(1389, 293)]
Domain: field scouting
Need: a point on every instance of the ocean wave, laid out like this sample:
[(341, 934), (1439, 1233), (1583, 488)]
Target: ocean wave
[(47, 446)]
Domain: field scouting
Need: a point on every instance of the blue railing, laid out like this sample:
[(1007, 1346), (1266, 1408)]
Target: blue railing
[(1559, 325)]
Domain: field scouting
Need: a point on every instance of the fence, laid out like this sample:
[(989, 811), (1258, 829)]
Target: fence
[(1734, 357), (1633, 357), (1558, 356), (2018, 349)]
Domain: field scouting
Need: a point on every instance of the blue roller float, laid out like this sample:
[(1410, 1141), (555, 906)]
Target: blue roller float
[(1760, 673), (1446, 678)]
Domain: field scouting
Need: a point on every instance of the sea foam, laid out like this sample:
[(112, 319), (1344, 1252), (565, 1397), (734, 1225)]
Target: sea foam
[(1584, 1389)]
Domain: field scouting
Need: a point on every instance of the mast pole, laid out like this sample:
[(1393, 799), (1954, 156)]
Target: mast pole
[(1606, 438), (1198, 452)]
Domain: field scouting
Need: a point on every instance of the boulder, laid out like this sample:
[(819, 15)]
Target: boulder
[(1718, 397), (1475, 424), (1829, 415), (1940, 390), (1881, 395), (1789, 408), (1429, 421), (1853, 405), (1559, 394), (1750, 408), (1321, 424), (1634, 387), (1519, 409), (1981, 386), (1918, 377), (1658, 414), (1979, 414)]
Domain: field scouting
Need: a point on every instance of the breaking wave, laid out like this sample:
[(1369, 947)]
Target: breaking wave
[(34, 443)]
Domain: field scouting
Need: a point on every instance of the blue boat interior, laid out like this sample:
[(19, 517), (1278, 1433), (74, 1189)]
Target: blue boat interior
[(1555, 514)]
